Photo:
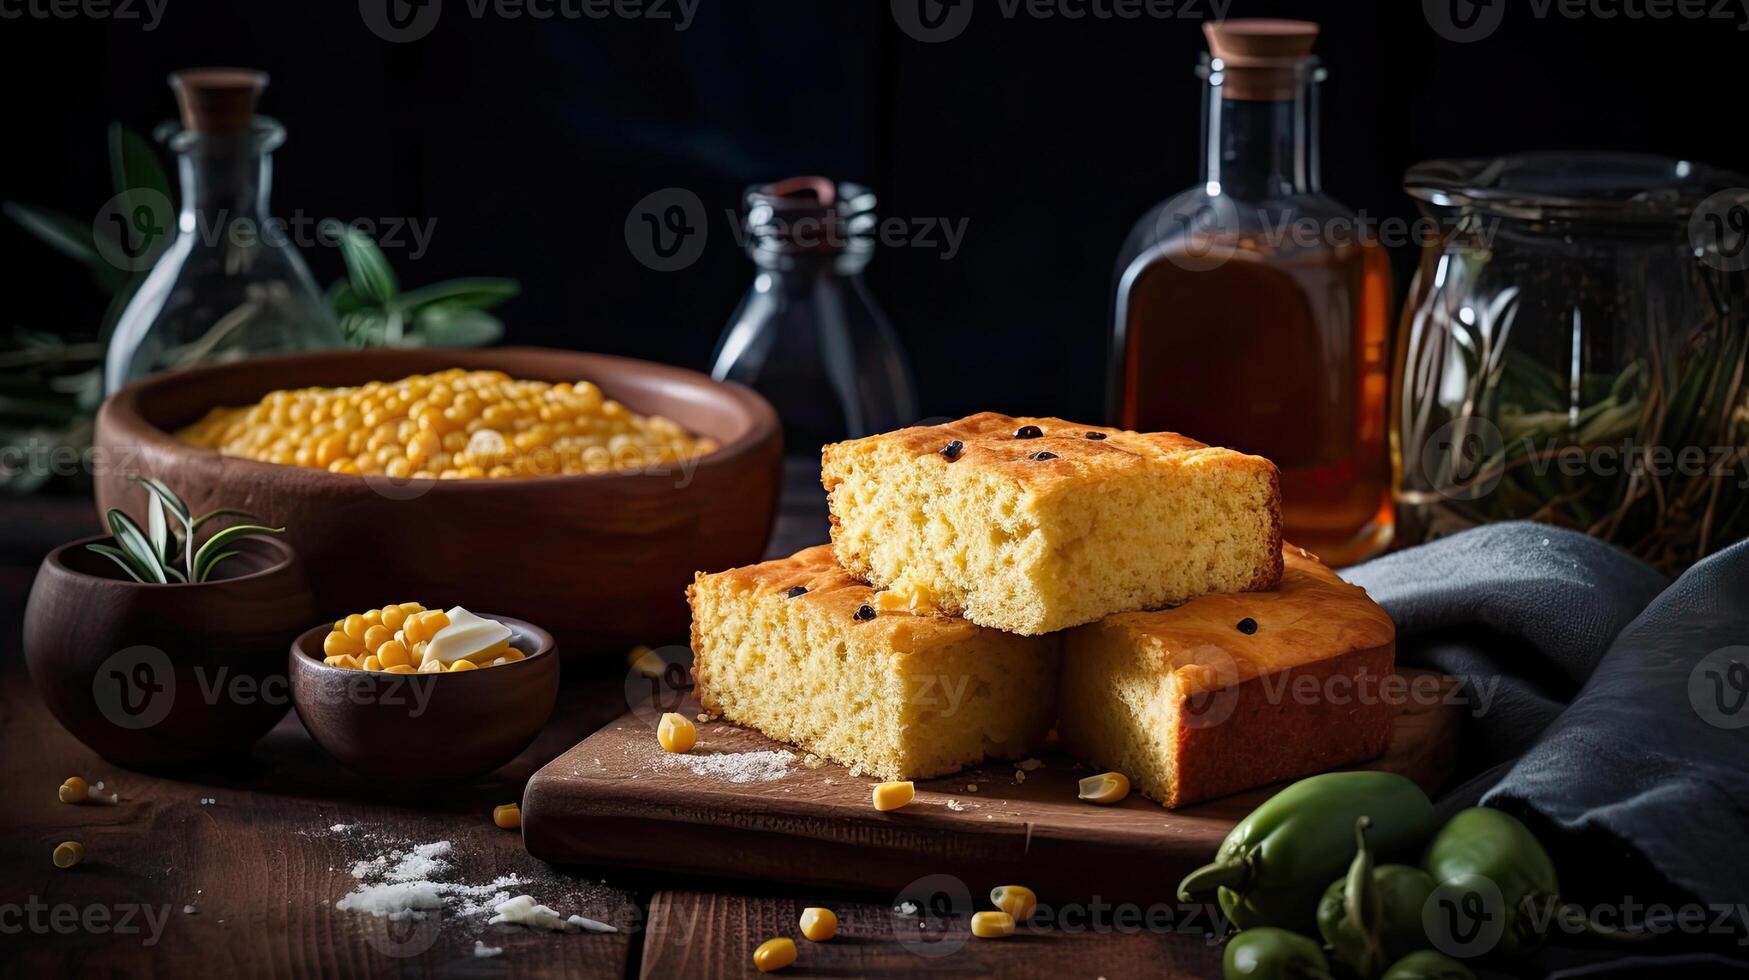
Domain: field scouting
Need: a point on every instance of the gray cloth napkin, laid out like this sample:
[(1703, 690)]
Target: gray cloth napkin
[(1608, 708)]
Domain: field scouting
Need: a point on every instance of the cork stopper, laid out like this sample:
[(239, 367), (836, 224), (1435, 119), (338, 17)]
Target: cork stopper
[(1261, 58), (218, 100)]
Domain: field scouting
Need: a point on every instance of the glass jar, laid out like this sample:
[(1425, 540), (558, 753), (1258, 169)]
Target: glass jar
[(1253, 310), (1573, 352), (230, 284), (808, 335)]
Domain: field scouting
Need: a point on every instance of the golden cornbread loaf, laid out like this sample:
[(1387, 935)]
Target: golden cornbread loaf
[(1191, 706), (898, 696), (1031, 535)]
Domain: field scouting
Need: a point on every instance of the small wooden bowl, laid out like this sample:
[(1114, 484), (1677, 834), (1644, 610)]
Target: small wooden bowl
[(603, 560), (155, 676), (422, 730)]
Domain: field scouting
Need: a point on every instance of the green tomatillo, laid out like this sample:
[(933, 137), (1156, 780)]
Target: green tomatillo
[(1267, 953)]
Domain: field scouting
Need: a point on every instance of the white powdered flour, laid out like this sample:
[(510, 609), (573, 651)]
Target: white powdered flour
[(737, 767)]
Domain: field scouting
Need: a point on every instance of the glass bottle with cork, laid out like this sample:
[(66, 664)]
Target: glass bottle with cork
[(231, 284), (1252, 310)]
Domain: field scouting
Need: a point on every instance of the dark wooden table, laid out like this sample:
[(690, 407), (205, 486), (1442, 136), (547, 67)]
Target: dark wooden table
[(253, 852)]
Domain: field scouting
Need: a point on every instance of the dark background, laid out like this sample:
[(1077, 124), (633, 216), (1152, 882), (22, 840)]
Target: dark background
[(529, 140)]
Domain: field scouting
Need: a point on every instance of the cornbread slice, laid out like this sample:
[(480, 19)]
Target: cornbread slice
[(898, 696), (1191, 706), (1031, 535)]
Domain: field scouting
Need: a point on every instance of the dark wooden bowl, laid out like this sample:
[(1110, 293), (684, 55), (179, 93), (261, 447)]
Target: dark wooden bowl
[(153, 676), (603, 560), (423, 730)]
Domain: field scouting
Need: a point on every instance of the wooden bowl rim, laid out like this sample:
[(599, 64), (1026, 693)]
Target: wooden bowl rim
[(306, 641), (57, 559), (120, 413)]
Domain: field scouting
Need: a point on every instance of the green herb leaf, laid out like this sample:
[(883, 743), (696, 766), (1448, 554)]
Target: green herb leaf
[(133, 542), (366, 267), (117, 556), (211, 552), (200, 521), (442, 325), (66, 235), (133, 164), (478, 293)]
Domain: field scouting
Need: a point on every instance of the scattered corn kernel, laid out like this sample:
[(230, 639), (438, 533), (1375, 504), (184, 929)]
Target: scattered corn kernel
[(508, 816), (1107, 787), (71, 852), (774, 954), (891, 796), (75, 790), (818, 924), (676, 733), (464, 424), (1017, 900), (992, 925), (461, 665)]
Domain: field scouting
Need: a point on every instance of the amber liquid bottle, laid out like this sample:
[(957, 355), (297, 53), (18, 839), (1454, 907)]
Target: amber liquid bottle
[(1252, 311)]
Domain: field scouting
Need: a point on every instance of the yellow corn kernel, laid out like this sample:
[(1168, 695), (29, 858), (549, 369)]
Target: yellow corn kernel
[(393, 617), (1017, 900), (417, 653), (393, 654), (376, 636), (510, 655), (774, 954), (344, 660), (992, 925), (1107, 787), (371, 663), (463, 665), (75, 790), (399, 669), (676, 733), (819, 925), (508, 816), (411, 607), (373, 617), (338, 644), (892, 796), (71, 852), (355, 626), (433, 622)]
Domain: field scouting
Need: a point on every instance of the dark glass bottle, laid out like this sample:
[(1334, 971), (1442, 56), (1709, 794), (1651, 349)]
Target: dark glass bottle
[(808, 336), (1252, 310)]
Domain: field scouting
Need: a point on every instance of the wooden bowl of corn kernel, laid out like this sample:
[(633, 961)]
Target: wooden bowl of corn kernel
[(411, 730), (591, 534)]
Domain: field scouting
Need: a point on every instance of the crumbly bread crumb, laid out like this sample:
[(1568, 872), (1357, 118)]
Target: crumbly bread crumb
[(896, 696), (1031, 535), (1191, 706)]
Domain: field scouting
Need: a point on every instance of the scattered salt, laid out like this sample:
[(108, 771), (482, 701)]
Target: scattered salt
[(956, 806), (523, 910), (483, 951), (340, 828), (403, 884), (738, 767), (906, 908), (189, 910)]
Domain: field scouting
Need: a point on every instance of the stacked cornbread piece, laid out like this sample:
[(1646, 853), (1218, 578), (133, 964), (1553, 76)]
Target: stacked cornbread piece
[(992, 576)]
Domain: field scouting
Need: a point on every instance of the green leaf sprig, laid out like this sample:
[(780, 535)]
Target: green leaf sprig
[(374, 312), (162, 553)]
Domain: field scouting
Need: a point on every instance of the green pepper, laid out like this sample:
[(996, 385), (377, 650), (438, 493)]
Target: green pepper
[(1275, 864), (1267, 953), (1487, 866), (1373, 916), (1427, 964)]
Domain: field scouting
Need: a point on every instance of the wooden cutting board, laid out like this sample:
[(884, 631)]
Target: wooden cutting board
[(616, 799)]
